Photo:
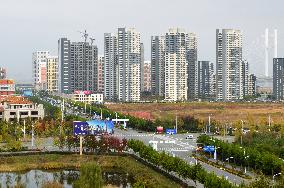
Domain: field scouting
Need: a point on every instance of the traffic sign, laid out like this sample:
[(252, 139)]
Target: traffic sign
[(171, 131), (210, 149), (80, 128)]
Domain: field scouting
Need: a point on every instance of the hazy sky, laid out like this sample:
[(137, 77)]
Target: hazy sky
[(30, 25)]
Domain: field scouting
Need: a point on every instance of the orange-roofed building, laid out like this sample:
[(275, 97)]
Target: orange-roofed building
[(18, 107), (7, 87)]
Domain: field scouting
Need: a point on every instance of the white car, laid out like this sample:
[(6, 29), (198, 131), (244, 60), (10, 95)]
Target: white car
[(189, 136)]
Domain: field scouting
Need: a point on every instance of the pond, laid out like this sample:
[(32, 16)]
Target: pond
[(36, 178)]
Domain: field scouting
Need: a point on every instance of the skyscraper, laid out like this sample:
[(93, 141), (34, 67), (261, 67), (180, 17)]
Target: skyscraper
[(191, 55), (52, 73), (141, 67), (176, 65), (228, 64), (129, 59), (78, 66), (39, 69), (245, 76), (158, 65), (203, 79), (146, 76), (111, 66), (278, 78), (100, 73), (212, 92), (64, 72), (251, 85)]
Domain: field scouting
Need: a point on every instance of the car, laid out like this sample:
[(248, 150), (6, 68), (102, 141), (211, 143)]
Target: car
[(189, 136)]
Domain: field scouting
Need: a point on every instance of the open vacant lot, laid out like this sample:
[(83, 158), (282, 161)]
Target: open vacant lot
[(223, 112)]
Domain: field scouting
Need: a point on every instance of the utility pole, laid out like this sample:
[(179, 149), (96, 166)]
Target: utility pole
[(269, 122), (62, 115), (24, 129), (176, 124), (209, 124), (242, 132), (32, 136), (62, 111)]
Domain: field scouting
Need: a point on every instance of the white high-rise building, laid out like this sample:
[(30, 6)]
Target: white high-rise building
[(228, 64), (158, 65), (176, 65), (129, 60), (111, 67), (39, 69)]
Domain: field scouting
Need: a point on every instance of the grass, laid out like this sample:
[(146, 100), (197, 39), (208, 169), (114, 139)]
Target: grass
[(222, 112), (137, 170)]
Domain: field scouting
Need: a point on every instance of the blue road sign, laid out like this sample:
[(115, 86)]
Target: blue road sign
[(171, 131), (210, 149), (80, 128)]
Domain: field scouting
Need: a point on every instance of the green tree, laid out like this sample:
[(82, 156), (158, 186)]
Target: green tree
[(90, 176)]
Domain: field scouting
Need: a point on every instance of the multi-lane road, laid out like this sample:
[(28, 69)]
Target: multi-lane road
[(178, 146)]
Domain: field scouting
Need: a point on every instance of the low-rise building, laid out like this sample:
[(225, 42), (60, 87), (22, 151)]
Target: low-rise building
[(7, 87), (88, 97), (24, 87), (18, 107)]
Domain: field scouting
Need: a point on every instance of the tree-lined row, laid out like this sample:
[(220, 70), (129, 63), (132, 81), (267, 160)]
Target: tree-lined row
[(263, 161), (179, 166), (270, 141), (91, 143)]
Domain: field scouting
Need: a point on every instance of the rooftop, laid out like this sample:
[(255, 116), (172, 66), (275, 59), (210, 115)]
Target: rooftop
[(12, 99)]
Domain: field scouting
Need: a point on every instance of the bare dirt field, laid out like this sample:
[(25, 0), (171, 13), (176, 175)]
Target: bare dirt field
[(222, 112)]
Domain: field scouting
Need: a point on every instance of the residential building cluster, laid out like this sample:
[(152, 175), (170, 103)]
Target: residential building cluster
[(174, 72), (17, 108)]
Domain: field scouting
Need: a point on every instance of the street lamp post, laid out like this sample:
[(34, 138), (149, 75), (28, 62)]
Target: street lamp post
[(32, 136), (215, 153), (245, 165), (273, 177), (228, 159), (242, 132)]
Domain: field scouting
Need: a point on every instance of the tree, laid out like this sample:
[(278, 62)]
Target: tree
[(260, 182), (90, 176)]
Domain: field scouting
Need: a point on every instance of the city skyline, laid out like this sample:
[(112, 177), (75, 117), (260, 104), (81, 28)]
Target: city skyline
[(32, 26)]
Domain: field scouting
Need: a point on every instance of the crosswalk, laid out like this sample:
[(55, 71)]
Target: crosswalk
[(173, 149), (134, 135)]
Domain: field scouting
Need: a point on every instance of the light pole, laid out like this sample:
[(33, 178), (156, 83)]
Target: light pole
[(273, 177), (245, 165), (228, 159), (32, 135), (242, 132), (215, 153)]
